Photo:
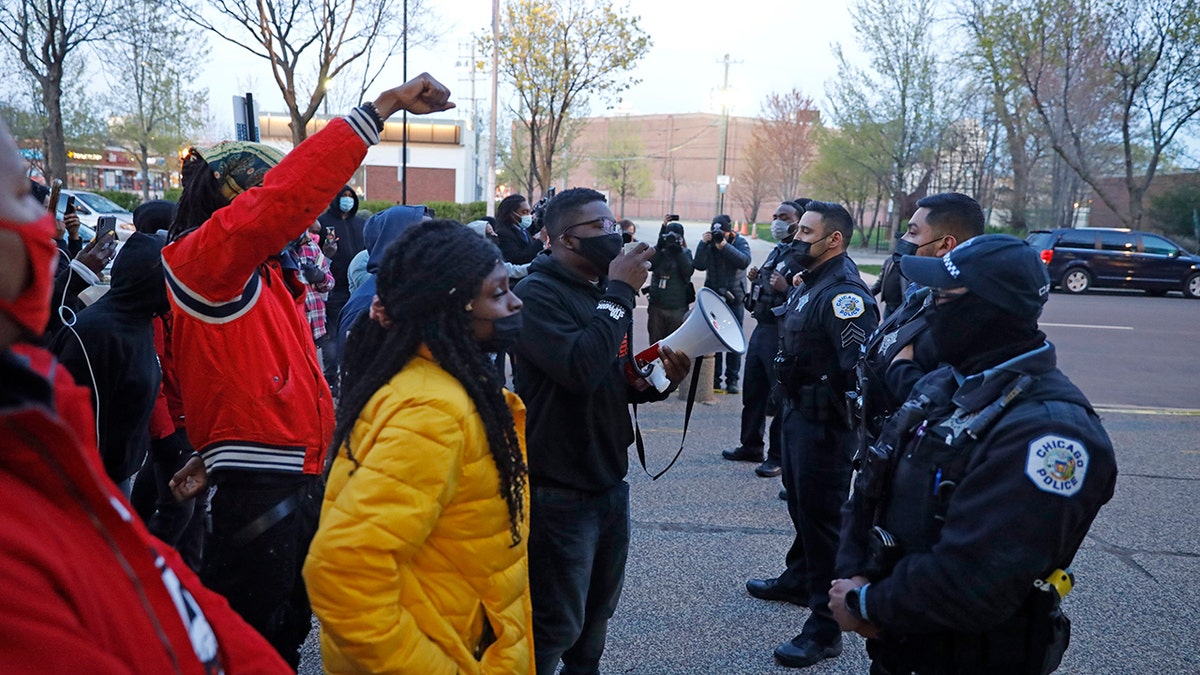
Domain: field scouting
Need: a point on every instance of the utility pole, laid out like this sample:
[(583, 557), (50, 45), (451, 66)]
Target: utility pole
[(404, 118), (722, 176), (490, 197), (470, 71)]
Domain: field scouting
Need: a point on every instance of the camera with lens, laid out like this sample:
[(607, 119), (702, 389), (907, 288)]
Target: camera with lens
[(670, 242), (539, 211)]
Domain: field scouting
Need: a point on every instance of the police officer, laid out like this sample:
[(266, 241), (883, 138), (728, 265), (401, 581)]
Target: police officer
[(725, 255), (980, 489), (825, 322), (768, 289), (900, 351)]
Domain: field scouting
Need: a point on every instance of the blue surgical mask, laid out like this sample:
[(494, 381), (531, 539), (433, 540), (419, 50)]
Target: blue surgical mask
[(345, 204), (527, 220)]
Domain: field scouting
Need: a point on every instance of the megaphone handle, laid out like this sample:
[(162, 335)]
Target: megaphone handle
[(658, 376), (687, 416)]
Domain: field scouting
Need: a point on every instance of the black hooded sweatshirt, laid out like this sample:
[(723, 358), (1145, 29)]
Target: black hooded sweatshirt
[(115, 335), (348, 233)]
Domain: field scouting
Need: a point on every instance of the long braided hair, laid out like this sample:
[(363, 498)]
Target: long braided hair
[(424, 282), (201, 196)]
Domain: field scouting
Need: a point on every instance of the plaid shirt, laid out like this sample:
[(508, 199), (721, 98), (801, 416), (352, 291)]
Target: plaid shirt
[(314, 297)]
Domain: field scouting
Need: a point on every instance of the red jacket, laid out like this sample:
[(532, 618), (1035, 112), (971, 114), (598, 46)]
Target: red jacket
[(253, 394), (86, 588)]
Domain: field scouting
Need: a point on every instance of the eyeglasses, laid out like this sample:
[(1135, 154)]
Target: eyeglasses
[(609, 225)]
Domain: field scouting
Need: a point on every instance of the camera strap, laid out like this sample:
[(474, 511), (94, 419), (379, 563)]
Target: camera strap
[(687, 416)]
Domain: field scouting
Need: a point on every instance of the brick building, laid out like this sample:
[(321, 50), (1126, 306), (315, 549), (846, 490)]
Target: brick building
[(1101, 215), (440, 165), (682, 151)]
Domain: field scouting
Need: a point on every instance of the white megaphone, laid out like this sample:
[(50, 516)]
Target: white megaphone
[(711, 327)]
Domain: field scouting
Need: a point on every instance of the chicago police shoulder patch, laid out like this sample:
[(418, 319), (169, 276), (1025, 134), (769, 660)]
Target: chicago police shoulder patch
[(1057, 464), (848, 306)]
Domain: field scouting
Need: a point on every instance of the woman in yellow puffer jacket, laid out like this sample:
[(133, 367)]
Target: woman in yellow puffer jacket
[(419, 564)]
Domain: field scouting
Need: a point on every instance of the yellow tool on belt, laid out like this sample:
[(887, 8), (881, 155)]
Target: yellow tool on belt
[(1062, 581)]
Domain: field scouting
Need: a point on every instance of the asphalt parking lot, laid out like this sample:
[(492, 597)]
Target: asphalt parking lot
[(709, 524)]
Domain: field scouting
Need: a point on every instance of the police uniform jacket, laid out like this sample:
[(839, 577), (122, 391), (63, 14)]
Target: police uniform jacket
[(825, 322), (978, 521), (883, 382), (763, 297)]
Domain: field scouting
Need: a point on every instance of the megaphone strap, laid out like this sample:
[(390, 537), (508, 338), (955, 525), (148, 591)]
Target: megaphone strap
[(687, 416)]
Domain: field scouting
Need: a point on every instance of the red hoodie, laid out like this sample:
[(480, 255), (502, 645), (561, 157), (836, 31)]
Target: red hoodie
[(253, 394), (86, 588)]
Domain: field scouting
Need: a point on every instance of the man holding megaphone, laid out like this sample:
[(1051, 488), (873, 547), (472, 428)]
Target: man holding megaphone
[(570, 371)]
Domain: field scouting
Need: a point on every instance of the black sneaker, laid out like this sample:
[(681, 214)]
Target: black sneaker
[(732, 389), (769, 469)]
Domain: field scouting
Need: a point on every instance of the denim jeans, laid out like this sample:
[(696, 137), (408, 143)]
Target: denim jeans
[(578, 545)]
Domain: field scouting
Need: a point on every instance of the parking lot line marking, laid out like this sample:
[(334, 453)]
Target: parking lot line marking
[(1140, 410), (1085, 325)]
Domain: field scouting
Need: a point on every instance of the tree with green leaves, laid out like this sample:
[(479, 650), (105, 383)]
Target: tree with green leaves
[(46, 36), (846, 171), (1130, 66), (985, 23), (892, 104), (154, 112), (309, 44), (559, 55), (622, 166)]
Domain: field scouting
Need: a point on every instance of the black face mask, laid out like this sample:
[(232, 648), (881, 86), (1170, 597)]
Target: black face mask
[(972, 334), (905, 247), (600, 251), (505, 332), (801, 251)]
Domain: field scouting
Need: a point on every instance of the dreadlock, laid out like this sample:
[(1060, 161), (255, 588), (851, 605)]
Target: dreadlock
[(201, 196), (425, 280)]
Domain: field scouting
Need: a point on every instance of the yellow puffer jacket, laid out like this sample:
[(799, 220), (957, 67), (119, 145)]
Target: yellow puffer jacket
[(414, 545)]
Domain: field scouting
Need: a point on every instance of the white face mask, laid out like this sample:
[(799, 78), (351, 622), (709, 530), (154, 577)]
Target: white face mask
[(779, 229), (527, 220)]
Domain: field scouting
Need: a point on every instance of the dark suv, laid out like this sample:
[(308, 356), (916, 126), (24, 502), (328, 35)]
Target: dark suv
[(1083, 258)]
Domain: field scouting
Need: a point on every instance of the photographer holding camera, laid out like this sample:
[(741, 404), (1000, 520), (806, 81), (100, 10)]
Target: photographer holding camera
[(671, 288), (725, 255)]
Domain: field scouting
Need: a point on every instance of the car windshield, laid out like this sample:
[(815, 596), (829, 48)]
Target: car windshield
[(94, 202), (1040, 240)]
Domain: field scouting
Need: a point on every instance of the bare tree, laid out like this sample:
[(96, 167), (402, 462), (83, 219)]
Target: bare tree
[(46, 35), (757, 180), (153, 110), (558, 54), (786, 133), (308, 43), (1133, 63)]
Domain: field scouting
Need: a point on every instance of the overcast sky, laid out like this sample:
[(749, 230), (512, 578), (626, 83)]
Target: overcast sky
[(775, 46)]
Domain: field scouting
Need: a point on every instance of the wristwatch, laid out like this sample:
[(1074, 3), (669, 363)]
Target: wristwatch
[(853, 603)]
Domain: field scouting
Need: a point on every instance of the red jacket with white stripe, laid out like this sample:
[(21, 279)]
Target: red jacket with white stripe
[(253, 395), (86, 588)]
